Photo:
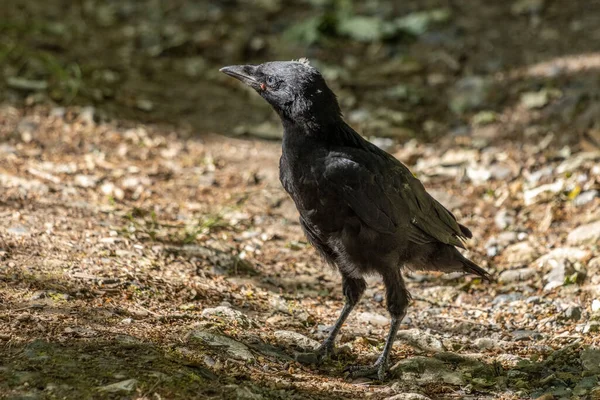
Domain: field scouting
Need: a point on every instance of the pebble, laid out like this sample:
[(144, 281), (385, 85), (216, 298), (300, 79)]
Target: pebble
[(228, 314), (421, 339), (524, 334), (517, 275), (588, 233), (592, 326), (586, 197), (295, 339), (595, 305), (123, 386), (373, 319), (232, 347), (573, 313), (520, 253), (504, 218), (408, 396)]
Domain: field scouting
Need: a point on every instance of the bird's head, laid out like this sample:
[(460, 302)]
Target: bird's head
[(295, 89)]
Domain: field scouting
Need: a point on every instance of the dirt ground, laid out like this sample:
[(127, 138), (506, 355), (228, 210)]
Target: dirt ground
[(148, 251), (119, 241)]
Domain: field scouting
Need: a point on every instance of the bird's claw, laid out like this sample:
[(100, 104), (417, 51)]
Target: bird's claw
[(321, 353), (379, 370)]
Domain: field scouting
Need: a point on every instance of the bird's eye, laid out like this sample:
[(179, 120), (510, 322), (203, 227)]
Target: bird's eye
[(271, 81)]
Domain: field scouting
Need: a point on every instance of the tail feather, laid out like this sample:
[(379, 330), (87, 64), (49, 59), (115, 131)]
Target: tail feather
[(470, 267), (465, 231)]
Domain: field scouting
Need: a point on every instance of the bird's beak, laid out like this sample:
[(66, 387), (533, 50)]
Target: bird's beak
[(244, 73)]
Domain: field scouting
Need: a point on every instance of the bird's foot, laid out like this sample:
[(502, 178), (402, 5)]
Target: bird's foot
[(378, 370), (321, 353)]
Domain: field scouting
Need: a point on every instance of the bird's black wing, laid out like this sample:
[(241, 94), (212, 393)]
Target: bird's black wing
[(387, 197)]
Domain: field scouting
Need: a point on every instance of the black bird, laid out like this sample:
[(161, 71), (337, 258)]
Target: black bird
[(360, 207)]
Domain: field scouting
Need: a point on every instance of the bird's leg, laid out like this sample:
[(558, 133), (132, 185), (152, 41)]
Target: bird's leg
[(353, 289), (397, 298)]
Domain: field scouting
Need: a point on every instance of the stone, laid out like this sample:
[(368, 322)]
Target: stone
[(373, 319), (595, 305), (533, 100), (506, 298), (525, 334), (532, 196), (421, 339), (590, 359), (591, 327), (427, 370), (585, 197), (234, 349), (228, 314), (295, 339), (123, 386), (570, 254), (584, 234), (520, 253), (85, 181), (504, 218), (573, 313), (517, 275), (408, 396)]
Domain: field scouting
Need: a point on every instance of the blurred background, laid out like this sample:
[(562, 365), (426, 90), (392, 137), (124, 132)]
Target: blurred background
[(414, 68)]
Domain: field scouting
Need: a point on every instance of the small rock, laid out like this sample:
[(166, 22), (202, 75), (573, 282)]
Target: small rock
[(87, 115), (590, 359), (534, 195), (517, 275), (586, 197), (144, 105), (520, 253), (504, 218), (563, 272), (489, 343), (591, 327), (234, 348), (478, 175), (123, 386), (571, 254), (421, 339), (295, 339), (573, 313), (506, 298), (408, 396), (228, 314), (588, 233), (426, 370), (595, 305), (501, 172), (533, 100), (524, 334), (373, 319), (85, 181), (18, 230)]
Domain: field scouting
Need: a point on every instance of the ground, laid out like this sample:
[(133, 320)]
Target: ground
[(147, 250), (129, 253)]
